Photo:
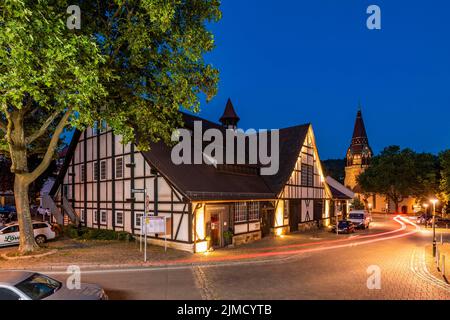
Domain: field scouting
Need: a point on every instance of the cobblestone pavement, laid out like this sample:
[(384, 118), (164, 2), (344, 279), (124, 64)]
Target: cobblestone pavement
[(338, 273)]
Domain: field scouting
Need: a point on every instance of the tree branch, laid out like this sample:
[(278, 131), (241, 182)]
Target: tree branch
[(3, 127), (42, 129), (30, 177)]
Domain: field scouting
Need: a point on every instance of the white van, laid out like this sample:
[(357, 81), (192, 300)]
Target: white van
[(9, 234), (360, 218)]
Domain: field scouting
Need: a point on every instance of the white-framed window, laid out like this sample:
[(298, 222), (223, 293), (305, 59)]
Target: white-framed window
[(103, 217), (240, 212), (138, 216), (82, 215), (119, 218), (103, 170), (95, 217), (83, 173), (119, 167), (253, 211), (95, 170)]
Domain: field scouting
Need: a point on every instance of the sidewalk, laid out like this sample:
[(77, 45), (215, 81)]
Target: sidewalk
[(119, 254)]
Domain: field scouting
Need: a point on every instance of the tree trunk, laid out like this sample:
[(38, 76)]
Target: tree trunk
[(19, 166), (27, 242), (396, 206)]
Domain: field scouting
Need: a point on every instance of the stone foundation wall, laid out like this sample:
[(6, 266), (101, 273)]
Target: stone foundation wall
[(246, 238), (308, 226), (284, 230), (189, 247)]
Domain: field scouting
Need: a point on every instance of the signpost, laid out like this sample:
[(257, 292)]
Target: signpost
[(158, 225), (144, 219), (152, 224)]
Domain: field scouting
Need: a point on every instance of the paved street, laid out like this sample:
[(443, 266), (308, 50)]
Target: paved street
[(328, 270)]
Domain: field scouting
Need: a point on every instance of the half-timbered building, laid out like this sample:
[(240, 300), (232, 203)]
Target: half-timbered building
[(207, 206)]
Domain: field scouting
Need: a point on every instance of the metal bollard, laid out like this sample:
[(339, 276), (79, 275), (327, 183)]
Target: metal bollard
[(442, 241), (443, 265), (437, 257)]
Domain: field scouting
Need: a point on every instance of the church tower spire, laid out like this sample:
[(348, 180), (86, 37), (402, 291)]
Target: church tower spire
[(358, 154), (229, 118)]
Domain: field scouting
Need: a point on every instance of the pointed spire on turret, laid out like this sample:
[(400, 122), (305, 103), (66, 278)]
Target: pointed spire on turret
[(359, 131), (359, 151), (229, 118)]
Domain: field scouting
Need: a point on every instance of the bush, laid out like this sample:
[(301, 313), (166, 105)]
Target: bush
[(96, 234)]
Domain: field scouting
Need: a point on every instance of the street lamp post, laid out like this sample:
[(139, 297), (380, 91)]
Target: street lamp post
[(434, 201)]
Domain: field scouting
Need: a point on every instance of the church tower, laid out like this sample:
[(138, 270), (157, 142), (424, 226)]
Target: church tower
[(229, 118), (358, 154)]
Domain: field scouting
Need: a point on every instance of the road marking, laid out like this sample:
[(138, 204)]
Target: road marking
[(221, 262), (419, 268)]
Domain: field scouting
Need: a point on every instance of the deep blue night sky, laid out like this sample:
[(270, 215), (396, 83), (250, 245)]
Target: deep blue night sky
[(289, 62)]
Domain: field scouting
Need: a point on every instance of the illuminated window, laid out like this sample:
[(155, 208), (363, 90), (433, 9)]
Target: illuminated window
[(307, 175), (240, 212), (253, 211)]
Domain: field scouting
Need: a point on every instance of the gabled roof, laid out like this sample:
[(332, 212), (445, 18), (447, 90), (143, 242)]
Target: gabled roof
[(207, 182), (338, 190), (291, 142)]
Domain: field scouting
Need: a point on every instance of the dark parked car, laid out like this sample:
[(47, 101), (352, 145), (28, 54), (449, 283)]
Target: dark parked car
[(344, 226), (424, 218), (441, 222)]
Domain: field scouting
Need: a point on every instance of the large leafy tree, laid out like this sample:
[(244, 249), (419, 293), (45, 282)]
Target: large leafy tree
[(399, 174), (133, 64), (444, 187)]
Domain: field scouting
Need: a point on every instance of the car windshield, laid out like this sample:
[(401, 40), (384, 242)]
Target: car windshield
[(356, 216), (38, 286), (343, 223)]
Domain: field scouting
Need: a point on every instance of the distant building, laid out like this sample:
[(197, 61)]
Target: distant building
[(358, 158)]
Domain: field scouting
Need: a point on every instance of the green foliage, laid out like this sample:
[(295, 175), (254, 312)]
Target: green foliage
[(133, 64), (43, 64), (335, 168), (401, 173), (153, 64), (444, 187), (357, 204), (96, 234)]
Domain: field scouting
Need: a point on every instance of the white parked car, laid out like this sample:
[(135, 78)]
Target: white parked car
[(9, 234), (360, 218)]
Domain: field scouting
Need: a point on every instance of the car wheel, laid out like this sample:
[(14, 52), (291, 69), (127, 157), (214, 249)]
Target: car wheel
[(40, 239)]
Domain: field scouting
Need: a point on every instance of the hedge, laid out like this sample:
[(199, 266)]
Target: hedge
[(84, 233)]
